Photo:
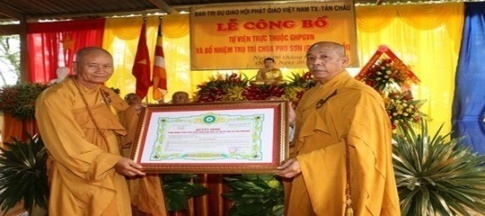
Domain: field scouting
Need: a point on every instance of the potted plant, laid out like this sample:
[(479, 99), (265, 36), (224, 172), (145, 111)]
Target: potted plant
[(18, 100), (436, 175), (255, 195), (178, 188), (23, 175), (17, 103)]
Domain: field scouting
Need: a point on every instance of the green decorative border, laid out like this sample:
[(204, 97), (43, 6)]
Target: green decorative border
[(209, 118)]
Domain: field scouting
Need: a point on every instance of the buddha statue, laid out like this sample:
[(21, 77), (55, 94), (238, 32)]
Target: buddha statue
[(268, 75)]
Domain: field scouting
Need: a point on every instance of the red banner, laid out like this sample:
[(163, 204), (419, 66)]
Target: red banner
[(141, 66)]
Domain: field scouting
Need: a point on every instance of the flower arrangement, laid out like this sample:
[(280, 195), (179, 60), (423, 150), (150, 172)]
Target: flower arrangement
[(222, 88), (384, 73), (19, 100), (393, 81), (236, 88), (402, 107)]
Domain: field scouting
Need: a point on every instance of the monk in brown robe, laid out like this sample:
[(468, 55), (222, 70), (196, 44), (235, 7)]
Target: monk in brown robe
[(343, 137), (78, 123)]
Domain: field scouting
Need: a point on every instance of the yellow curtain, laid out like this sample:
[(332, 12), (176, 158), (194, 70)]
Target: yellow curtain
[(426, 37), (121, 39)]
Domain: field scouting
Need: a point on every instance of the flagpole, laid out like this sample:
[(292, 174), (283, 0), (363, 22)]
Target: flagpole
[(145, 18), (159, 76)]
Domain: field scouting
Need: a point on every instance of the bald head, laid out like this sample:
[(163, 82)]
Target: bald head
[(86, 50), (93, 66), (326, 60), (338, 48), (180, 97), (132, 99)]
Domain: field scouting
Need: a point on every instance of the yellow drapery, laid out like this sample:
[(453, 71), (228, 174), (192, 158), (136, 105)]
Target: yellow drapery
[(426, 37)]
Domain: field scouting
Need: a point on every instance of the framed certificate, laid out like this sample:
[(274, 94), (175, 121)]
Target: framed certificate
[(231, 137)]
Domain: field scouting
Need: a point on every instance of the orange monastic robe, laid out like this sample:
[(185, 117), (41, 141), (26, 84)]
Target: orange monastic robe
[(146, 192), (342, 111), (82, 178)]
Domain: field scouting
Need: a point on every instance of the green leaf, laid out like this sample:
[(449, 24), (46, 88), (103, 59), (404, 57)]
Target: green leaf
[(435, 175), (23, 174), (252, 195), (180, 187)]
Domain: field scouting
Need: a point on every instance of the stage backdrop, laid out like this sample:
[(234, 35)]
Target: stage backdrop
[(413, 32), (240, 37)]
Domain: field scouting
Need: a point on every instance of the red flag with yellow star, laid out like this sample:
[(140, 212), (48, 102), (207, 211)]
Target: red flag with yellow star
[(141, 67), (159, 73)]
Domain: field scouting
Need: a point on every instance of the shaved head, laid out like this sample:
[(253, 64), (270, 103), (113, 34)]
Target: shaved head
[(325, 60), (338, 48)]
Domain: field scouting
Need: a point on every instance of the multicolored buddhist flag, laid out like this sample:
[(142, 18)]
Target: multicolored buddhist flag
[(159, 79), (141, 67)]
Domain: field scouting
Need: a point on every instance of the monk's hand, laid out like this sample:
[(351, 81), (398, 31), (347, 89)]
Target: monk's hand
[(289, 168), (128, 167)]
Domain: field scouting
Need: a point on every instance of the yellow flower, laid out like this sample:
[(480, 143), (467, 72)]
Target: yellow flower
[(273, 183)]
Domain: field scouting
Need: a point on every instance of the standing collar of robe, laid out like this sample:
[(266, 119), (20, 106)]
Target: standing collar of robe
[(324, 91)]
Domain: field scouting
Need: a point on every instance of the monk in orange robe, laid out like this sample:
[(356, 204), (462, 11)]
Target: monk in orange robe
[(78, 124), (145, 191), (343, 138), (268, 75)]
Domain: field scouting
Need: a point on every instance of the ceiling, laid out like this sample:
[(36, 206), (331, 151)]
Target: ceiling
[(34, 10)]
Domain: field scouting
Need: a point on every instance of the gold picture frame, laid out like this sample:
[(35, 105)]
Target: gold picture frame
[(226, 137)]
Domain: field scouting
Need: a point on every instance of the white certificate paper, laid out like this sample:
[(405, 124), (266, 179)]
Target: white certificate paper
[(228, 136)]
